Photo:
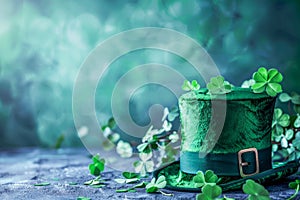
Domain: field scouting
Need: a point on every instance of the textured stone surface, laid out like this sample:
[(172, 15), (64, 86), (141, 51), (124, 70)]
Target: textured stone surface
[(20, 169)]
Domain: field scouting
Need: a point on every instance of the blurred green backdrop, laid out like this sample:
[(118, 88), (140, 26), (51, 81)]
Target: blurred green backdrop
[(44, 42)]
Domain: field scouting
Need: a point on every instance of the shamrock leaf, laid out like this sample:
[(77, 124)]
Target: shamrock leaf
[(190, 86), (42, 184), (297, 122), (255, 191), (132, 189), (151, 133), (209, 178), (289, 134), (296, 141), (217, 85), (155, 185), (280, 121), (267, 81), (129, 180), (294, 97), (209, 192), (130, 177), (284, 97), (110, 124), (97, 166), (124, 149), (296, 186), (145, 164), (96, 182), (173, 114), (83, 198)]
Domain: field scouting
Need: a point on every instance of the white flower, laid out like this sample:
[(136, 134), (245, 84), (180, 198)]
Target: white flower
[(83, 131), (248, 83), (174, 137), (166, 113), (124, 149), (150, 133), (167, 126), (286, 137)]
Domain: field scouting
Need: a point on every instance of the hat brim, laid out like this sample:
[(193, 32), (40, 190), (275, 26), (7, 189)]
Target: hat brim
[(180, 181)]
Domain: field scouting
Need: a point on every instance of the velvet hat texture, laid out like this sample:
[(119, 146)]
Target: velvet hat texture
[(234, 144)]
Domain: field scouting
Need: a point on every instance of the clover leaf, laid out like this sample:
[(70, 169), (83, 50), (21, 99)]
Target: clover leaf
[(42, 184), (297, 122), (174, 112), (83, 198), (209, 178), (155, 185), (294, 185), (209, 192), (110, 124), (284, 97), (190, 86), (144, 165), (255, 191), (97, 166), (170, 115), (129, 177), (294, 98), (96, 182), (267, 81), (296, 141), (132, 189), (217, 85), (280, 121)]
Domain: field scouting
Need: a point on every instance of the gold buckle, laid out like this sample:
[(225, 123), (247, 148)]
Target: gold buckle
[(242, 164)]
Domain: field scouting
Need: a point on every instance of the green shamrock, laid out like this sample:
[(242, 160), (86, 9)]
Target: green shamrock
[(267, 81), (190, 86), (280, 121), (217, 85), (209, 192), (129, 177), (296, 186), (294, 98), (284, 138), (97, 166), (132, 189), (209, 178), (297, 121), (155, 185), (255, 191), (83, 198)]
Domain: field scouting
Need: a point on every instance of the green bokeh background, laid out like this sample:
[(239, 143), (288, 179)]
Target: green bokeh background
[(44, 42)]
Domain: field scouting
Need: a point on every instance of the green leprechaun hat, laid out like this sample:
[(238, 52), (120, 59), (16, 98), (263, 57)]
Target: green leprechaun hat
[(241, 149)]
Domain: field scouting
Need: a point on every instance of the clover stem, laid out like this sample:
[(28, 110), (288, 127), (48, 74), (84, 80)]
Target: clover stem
[(166, 194), (295, 194)]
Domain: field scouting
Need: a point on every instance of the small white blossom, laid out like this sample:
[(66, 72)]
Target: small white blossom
[(174, 137), (124, 149)]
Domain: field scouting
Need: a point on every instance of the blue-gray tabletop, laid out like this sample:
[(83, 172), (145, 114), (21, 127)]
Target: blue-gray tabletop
[(66, 170)]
